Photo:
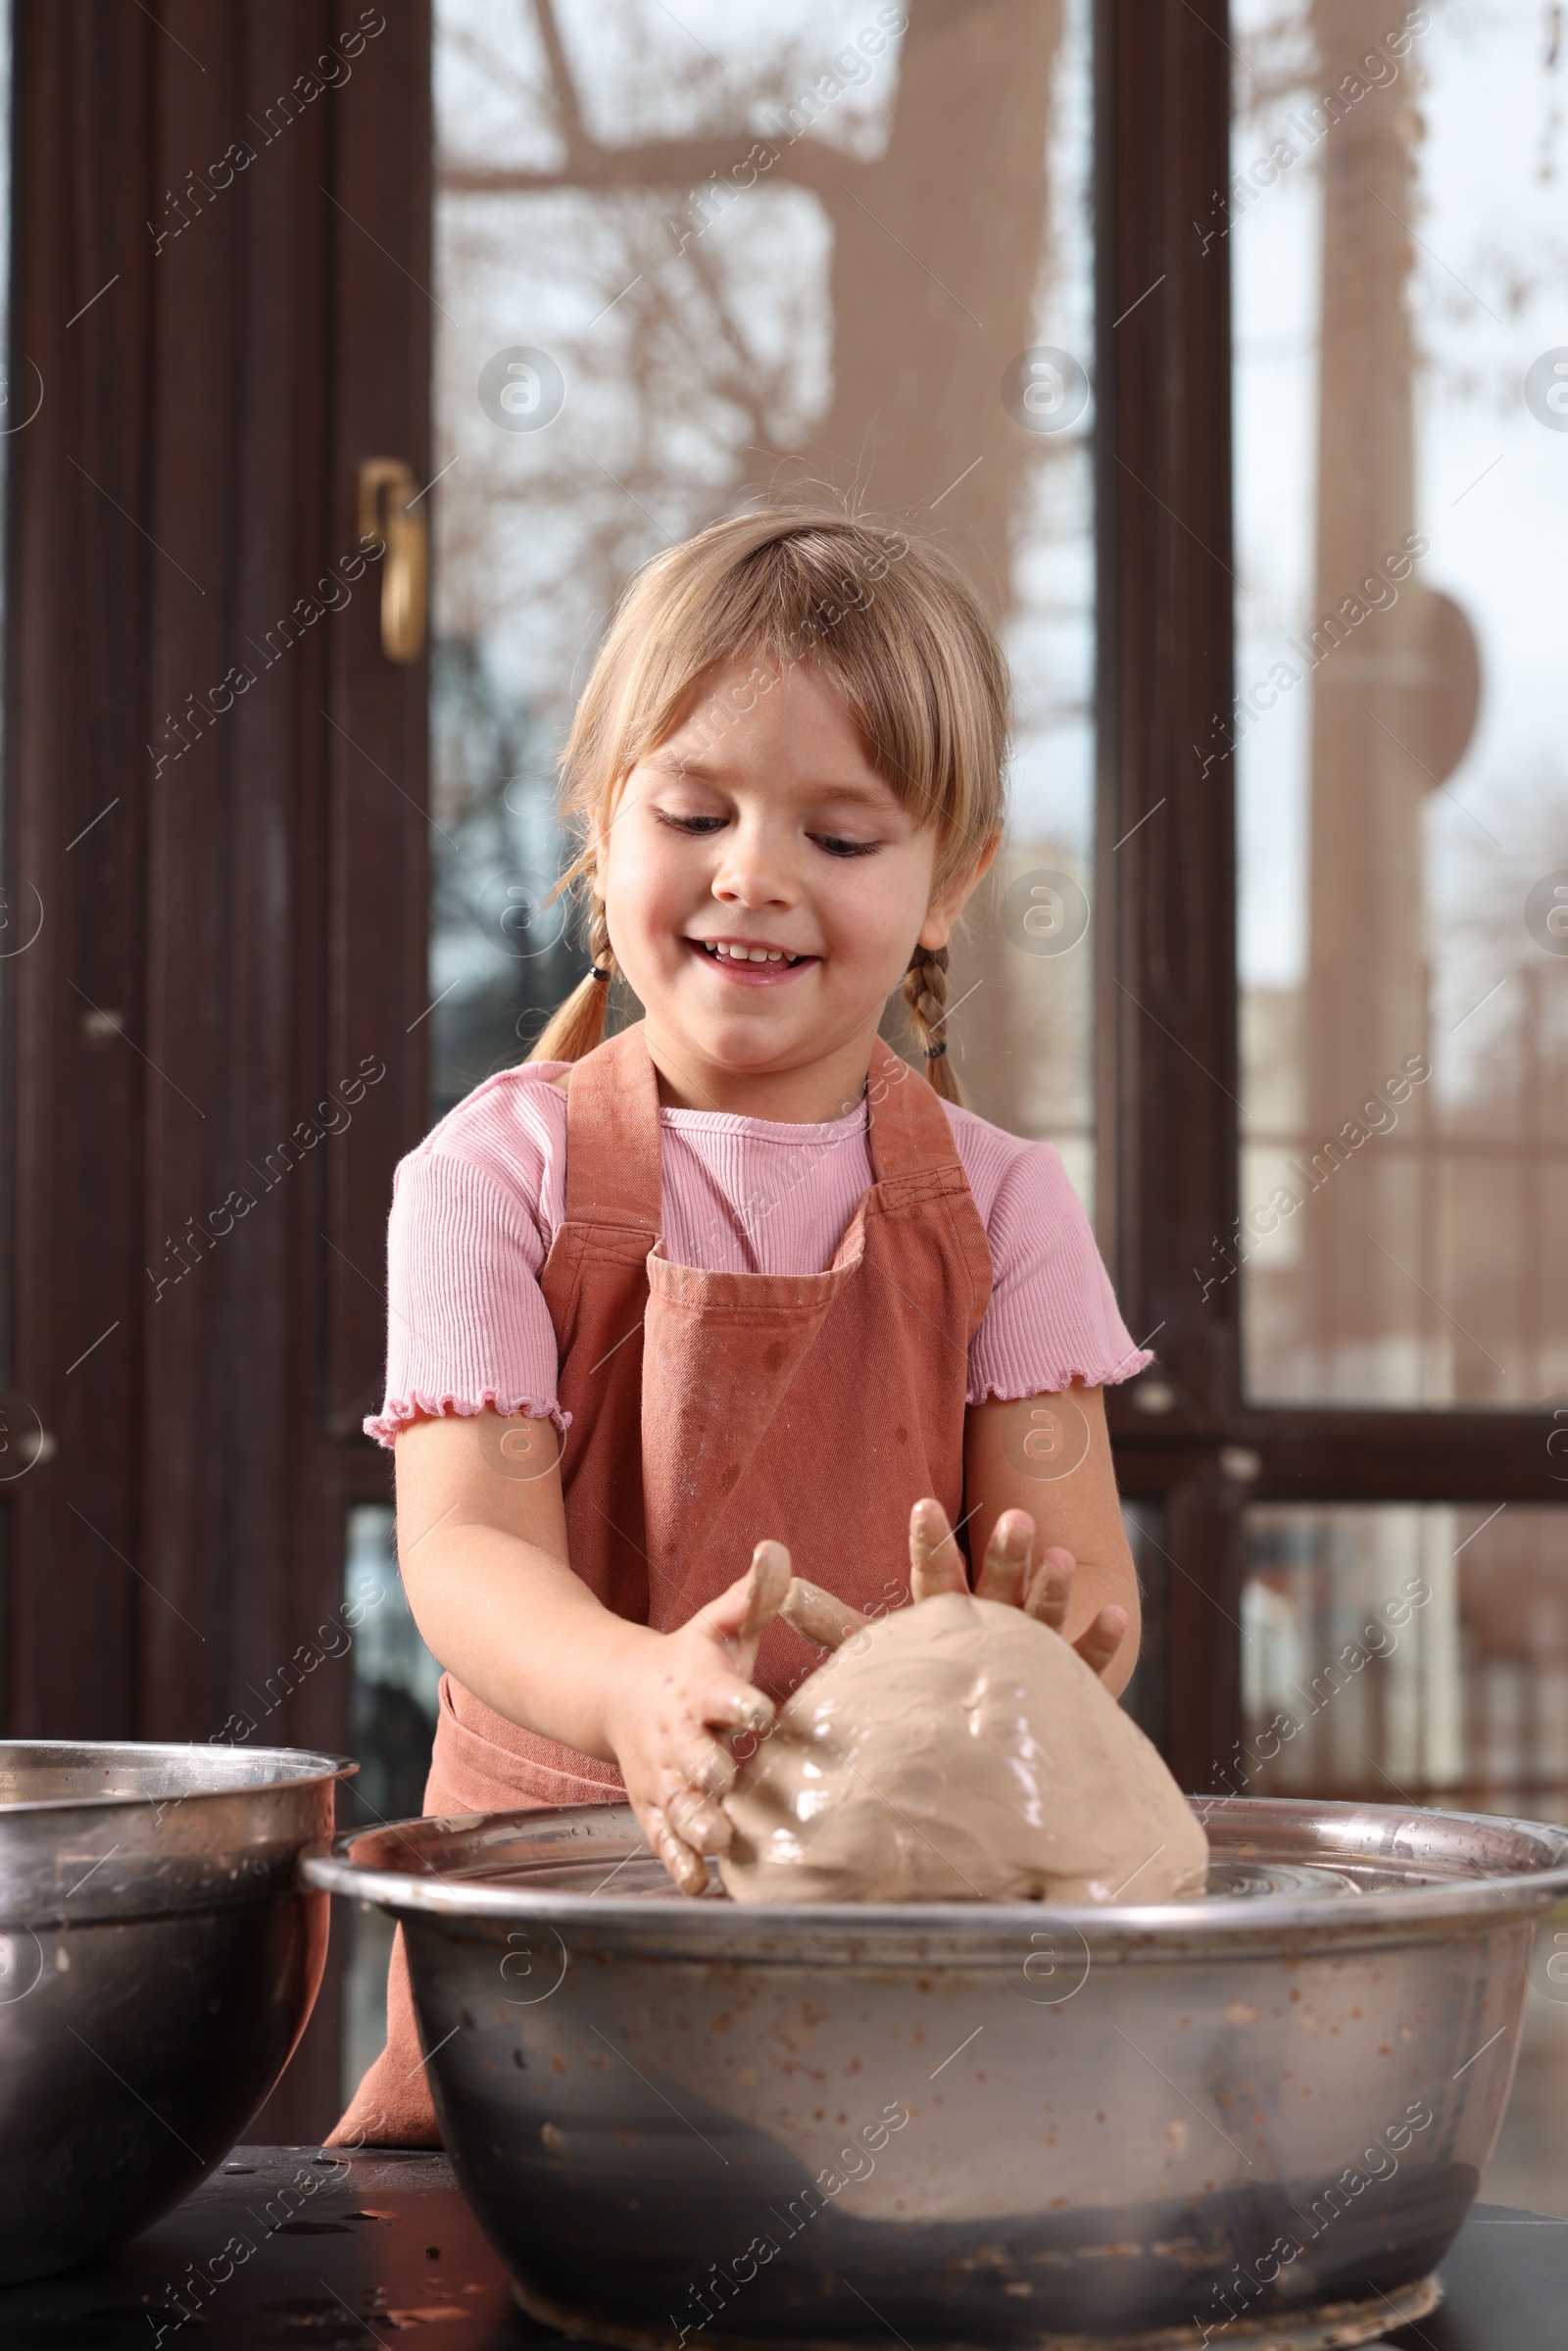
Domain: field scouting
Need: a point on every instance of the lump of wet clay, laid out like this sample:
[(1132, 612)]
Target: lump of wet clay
[(957, 1751)]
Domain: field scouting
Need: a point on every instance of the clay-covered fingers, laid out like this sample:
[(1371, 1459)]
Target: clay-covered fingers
[(1103, 1638), (827, 1621), (697, 1820), (684, 1866), (717, 1646), (722, 1618), (708, 1766), (935, 1563), (672, 1713), (1048, 1596), (683, 1827), (1004, 1570), (732, 1704), (1049, 1589), (765, 1587)]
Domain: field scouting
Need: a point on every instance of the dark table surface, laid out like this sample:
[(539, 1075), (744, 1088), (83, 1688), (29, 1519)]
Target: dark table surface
[(293, 2247)]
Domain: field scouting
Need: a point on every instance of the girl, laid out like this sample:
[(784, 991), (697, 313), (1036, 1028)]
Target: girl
[(738, 1273)]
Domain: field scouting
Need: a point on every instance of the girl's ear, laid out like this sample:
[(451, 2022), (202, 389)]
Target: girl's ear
[(947, 904)]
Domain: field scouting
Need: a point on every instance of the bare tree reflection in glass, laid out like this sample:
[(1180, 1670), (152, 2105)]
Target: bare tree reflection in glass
[(1401, 792), (771, 250)]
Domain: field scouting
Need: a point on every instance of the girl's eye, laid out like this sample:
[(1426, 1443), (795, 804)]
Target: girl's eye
[(689, 824), (836, 848)]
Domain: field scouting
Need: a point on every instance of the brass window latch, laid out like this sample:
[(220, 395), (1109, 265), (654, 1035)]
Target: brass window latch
[(387, 512)]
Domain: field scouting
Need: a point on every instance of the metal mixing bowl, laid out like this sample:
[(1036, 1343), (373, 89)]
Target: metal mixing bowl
[(1265, 2111), (159, 1959)]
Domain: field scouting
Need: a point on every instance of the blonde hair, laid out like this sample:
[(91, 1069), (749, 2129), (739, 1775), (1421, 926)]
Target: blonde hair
[(890, 624)]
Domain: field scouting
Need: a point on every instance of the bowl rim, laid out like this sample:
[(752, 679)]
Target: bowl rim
[(414, 1894), (295, 1768)]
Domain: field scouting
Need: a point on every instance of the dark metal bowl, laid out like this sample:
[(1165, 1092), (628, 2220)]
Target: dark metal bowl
[(159, 1958), (1265, 2111)]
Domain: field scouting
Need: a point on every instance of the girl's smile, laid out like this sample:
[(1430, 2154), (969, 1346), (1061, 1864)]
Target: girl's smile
[(751, 963)]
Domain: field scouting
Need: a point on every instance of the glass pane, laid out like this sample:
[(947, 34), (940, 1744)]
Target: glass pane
[(686, 258), (1406, 1651), (392, 1718), (1394, 221), (1395, 1654)]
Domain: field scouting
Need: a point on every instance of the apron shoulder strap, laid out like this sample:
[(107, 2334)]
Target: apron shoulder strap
[(614, 1159), (907, 1131)]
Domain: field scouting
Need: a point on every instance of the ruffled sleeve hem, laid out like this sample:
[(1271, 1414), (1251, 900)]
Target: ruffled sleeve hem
[(1007, 1390), (399, 1411)]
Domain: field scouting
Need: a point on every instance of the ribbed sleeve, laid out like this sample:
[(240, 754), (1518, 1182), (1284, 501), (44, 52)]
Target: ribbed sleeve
[(468, 1326), (1053, 1316), (476, 1206)]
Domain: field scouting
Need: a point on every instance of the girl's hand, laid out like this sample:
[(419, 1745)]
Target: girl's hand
[(670, 1699), (936, 1564)]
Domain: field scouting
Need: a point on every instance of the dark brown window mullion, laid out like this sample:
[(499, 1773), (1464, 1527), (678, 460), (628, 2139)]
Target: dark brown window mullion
[(1166, 829)]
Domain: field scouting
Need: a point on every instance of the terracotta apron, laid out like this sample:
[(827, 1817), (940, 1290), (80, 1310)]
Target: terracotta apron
[(710, 1410)]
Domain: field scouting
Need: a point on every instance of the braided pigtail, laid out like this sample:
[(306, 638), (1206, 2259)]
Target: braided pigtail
[(925, 991), (575, 1027)]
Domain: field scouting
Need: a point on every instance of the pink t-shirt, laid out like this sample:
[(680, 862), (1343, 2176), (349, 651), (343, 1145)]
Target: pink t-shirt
[(475, 1207)]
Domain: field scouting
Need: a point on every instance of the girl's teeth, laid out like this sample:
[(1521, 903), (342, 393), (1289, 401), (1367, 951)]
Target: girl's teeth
[(748, 955)]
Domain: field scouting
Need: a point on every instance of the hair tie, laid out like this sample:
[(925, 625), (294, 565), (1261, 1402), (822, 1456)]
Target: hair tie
[(933, 1053), (594, 972)]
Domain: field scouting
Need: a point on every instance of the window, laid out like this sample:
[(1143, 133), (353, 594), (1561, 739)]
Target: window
[(1394, 221), (684, 259)]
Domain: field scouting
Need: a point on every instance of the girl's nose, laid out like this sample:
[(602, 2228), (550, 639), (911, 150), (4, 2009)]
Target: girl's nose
[(755, 870)]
